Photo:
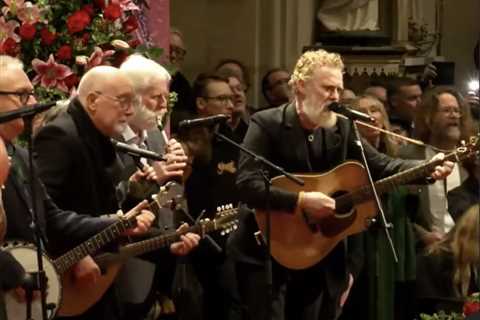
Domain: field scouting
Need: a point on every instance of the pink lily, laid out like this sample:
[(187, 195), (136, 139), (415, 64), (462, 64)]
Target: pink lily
[(12, 6), (127, 5), (50, 73), (29, 13), (7, 30), (98, 57)]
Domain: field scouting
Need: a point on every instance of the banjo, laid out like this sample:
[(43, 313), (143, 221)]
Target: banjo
[(57, 270)]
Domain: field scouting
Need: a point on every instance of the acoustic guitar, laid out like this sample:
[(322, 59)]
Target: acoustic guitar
[(80, 301), (299, 242)]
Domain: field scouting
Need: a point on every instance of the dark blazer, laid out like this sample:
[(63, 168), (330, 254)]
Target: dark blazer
[(80, 169), (77, 163), (463, 197), (277, 135), (58, 227)]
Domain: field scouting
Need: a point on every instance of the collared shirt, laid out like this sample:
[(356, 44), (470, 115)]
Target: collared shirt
[(133, 139), (442, 221)]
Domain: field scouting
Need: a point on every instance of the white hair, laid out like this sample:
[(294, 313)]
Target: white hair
[(141, 71)]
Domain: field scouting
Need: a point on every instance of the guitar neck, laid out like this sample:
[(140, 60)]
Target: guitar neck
[(92, 245), (159, 242), (387, 184)]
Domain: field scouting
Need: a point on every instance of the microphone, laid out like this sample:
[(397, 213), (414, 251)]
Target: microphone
[(136, 152), (206, 121), (26, 111), (350, 113)]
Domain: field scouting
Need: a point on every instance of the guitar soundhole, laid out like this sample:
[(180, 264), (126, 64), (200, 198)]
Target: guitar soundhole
[(345, 215)]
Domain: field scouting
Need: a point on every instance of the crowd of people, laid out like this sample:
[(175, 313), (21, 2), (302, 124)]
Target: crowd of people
[(82, 181)]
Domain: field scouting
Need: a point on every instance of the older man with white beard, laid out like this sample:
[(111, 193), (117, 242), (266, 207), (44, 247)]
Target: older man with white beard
[(151, 87)]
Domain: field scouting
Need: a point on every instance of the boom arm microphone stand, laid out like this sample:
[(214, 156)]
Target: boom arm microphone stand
[(39, 278), (36, 280), (385, 224)]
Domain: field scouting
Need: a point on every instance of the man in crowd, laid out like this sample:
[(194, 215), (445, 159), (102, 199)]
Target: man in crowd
[(77, 161), (302, 136), (185, 106), (275, 87), (404, 97), (216, 162), (443, 120)]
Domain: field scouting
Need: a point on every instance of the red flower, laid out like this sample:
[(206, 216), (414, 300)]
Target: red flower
[(10, 47), (64, 52), (100, 3), (85, 38), (134, 43), (88, 8), (131, 24), (47, 36), (470, 308), (78, 21), (27, 31), (71, 81), (112, 12)]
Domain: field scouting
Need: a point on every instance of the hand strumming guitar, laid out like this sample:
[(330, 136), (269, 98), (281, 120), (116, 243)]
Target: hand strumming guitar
[(316, 204)]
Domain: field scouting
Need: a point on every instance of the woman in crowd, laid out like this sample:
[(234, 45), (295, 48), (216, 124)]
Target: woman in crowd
[(449, 270)]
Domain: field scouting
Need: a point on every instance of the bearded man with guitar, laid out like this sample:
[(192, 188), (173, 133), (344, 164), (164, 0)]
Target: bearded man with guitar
[(303, 136)]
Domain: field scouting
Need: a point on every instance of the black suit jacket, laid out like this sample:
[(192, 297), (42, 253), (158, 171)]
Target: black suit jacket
[(60, 229), (77, 163), (277, 135), (80, 169)]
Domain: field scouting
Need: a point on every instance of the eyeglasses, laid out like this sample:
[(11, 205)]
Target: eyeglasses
[(451, 110), (124, 102), (22, 96), (222, 99)]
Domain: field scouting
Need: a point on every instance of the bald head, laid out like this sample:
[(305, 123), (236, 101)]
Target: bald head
[(100, 79), (107, 94)]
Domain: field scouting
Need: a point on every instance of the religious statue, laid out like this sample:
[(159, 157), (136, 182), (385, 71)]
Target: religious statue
[(349, 15)]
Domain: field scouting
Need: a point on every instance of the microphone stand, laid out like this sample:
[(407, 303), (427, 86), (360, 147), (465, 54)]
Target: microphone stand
[(39, 278), (385, 224), (268, 182)]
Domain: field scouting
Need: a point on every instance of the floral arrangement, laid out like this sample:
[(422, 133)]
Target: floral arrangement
[(470, 307), (59, 40)]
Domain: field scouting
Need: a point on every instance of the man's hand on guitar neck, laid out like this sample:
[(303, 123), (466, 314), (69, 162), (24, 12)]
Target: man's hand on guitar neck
[(317, 204), (144, 219), (441, 172), (187, 243)]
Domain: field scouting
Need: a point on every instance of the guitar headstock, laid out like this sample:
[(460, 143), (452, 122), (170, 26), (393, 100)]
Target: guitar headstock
[(469, 149), (226, 220), (169, 195)]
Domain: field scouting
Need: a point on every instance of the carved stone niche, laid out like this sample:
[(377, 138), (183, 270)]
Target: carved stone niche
[(366, 65)]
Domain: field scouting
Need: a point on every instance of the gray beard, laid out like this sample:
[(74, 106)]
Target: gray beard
[(323, 119)]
